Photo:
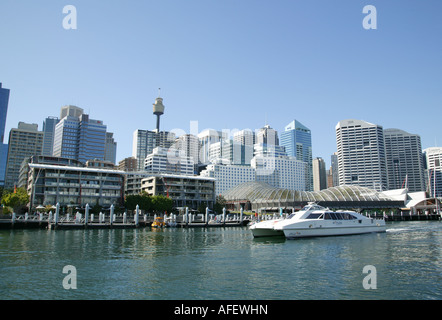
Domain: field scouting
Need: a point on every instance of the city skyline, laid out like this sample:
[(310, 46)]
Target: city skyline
[(226, 65)]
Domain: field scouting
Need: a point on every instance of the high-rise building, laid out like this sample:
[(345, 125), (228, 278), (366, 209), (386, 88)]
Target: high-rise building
[(76, 136), (206, 138), (245, 137), (228, 176), (334, 170), (361, 154), (433, 167), (4, 101), (319, 175), (128, 164), (297, 140), (405, 168), (110, 148), (24, 141), (168, 160), (48, 135), (144, 141), (231, 152), (281, 172), (189, 145), (267, 135)]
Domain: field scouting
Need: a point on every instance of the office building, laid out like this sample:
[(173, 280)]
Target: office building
[(110, 148), (267, 135), (231, 152), (48, 135), (361, 154), (79, 137), (207, 138), (24, 141), (319, 174), (245, 137), (433, 167), (405, 167), (144, 141), (297, 140), (189, 145), (4, 101)]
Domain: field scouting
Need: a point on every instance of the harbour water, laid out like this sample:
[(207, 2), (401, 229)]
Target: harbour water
[(221, 264)]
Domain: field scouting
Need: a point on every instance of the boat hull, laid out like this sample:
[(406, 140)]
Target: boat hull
[(294, 233), (266, 229)]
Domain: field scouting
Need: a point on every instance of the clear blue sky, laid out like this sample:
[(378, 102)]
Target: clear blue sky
[(226, 64)]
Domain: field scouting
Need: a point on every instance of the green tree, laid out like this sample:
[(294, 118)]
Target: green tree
[(220, 203), (162, 204), (143, 200), (15, 199)]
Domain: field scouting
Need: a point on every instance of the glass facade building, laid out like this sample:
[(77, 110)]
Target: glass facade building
[(4, 101), (297, 140)]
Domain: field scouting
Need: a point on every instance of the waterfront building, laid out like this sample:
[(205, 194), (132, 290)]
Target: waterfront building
[(144, 141), (297, 140), (24, 141), (361, 154), (76, 136), (280, 172), (207, 138), (319, 174), (48, 135), (433, 167), (185, 191), (228, 176), (4, 101), (69, 182), (405, 167), (168, 160)]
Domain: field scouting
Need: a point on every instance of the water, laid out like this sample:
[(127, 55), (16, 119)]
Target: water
[(221, 264)]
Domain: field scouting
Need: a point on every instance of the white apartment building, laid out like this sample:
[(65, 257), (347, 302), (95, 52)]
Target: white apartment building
[(228, 176), (281, 172), (168, 160)]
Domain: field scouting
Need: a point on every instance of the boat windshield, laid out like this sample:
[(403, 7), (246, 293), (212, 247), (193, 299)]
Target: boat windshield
[(339, 216), (317, 215)]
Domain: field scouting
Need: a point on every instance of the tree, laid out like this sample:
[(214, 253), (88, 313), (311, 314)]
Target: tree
[(162, 204), (16, 199), (220, 203), (143, 200)]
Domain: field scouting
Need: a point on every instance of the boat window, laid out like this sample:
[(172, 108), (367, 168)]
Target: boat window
[(338, 215), (327, 216), (291, 215), (333, 216), (314, 215)]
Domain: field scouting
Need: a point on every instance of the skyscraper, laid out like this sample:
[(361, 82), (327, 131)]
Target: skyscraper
[(433, 166), (361, 154), (144, 141), (405, 168), (48, 135), (24, 141), (76, 136), (319, 176), (297, 140), (4, 101), (206, 138)]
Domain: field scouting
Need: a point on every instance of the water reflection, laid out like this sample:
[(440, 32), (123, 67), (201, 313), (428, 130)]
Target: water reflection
[(220, 263)]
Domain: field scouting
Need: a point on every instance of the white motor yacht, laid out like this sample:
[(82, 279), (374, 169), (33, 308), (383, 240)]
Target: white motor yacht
[(314, 221)]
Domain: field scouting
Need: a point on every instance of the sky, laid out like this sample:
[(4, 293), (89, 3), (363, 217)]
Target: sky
[(226, 64)]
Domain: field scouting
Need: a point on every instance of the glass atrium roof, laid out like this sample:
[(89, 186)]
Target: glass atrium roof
[(262, 192)]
